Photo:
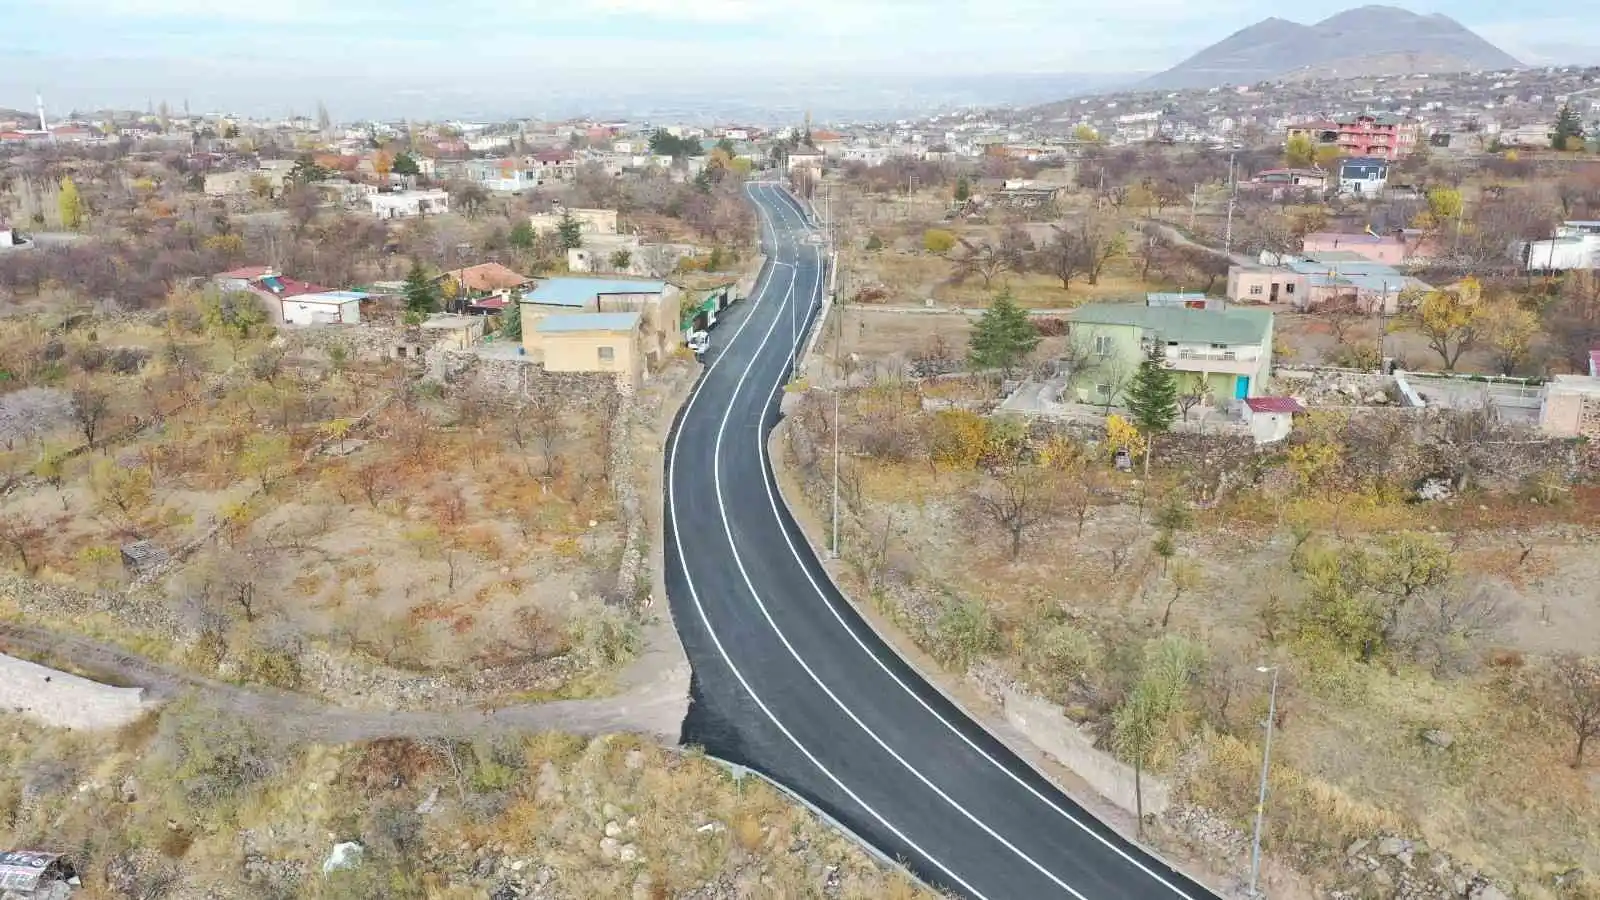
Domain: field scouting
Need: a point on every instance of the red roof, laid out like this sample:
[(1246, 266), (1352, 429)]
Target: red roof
[(279, 286), (248, 273), (554, 156), (1274, 405), (498, 301)]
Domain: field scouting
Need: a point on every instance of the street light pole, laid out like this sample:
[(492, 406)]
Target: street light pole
[(836, 473), (1266, 762), (1233, 192)]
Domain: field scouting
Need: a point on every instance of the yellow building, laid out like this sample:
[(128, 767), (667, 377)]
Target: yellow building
[(588, 342)]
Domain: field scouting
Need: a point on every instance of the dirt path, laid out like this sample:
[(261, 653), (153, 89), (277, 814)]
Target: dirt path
[(653, 702)]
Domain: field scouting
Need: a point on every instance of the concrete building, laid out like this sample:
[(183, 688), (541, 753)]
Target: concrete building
[(1225, 356), (656, 302), (1363, 177), (1309, 282), (1576, 245), (589, 342), (1270, 418), (325, 308), (408, 204), (1571, 406), (1376, 135)]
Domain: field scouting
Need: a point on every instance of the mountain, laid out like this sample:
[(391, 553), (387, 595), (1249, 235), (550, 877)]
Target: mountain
[(1368, 40)]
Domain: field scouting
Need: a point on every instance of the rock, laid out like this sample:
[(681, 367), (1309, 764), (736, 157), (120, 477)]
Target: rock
[(345, 855), (548, 785), (1355, 848), (1392, 846), (1488, 891), (430, 805), (485, 867), (129, 792), (518, 864), (1435, 489), (1437, 738), (610, 811), (613, 829), (632, 824), (712, 828), (1405, 858), (634, 760), (610, 847), (628, 853)]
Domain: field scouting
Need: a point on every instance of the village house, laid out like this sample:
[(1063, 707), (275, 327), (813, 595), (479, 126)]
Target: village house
[(1309, 282), (484, 288), (1377, 135), (1363, 177), (323, 308), (1221, 356), (274, 290), (625, 326), (1292, 183), (409, 204), (1576, 245), (1399, 248)]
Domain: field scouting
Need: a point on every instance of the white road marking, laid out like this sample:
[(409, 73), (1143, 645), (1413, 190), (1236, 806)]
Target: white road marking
[(694, 595), (738, 560), (772, 500)]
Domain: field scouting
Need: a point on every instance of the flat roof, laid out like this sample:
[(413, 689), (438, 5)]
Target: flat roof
[(579, 291), (1235, 325), (329, 297), (623, 321)]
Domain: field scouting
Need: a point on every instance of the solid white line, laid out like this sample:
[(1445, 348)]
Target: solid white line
[(738, 560), (772, 499), (694, 594)]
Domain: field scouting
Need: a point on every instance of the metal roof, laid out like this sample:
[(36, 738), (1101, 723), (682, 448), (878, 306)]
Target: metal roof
[(1274, 405), (581, 291), (339, 297), (623, 321), (1175, 323)]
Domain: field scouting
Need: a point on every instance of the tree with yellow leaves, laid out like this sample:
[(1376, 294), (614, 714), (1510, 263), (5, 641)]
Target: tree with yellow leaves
[(1122, 434), (70, 204), (1452, 320), (1509, 329), (1299, 153)]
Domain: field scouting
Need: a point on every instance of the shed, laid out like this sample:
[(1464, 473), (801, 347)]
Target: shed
[(1271, 418), (142, 556)]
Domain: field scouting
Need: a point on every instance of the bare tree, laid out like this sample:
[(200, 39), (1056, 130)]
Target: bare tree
[(1340, 314), (1448, 629), (1018, 495), (1062, 257), (547, 427), (1184, 578), (25, 540), (1575, 692), (1194, 396), (90, 406), (986, 260)]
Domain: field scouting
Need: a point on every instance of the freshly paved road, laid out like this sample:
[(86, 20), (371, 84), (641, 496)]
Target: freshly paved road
[(789, 681)]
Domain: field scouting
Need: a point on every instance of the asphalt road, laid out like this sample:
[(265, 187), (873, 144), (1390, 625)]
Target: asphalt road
[(789, 681)]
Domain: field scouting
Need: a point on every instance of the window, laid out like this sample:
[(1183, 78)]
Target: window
[(1255, 290), (608, 354), (1103, 390), (1288, 288), (1102, 344)]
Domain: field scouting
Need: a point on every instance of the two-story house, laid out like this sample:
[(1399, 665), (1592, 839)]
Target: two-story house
[(1223, 354), (1363, 177)]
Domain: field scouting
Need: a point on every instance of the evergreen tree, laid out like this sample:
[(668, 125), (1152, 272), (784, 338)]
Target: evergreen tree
[(1003, 337), (421, 296), (522, 235), (405, 164), (571, 232), (963, 189), (511, 319), (1153, 395), (1568, 128)]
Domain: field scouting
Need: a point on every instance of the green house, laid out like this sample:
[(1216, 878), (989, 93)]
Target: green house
[(1223, 355)]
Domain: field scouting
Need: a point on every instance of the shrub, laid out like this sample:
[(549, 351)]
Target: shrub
[(216, 756), (937, 240)]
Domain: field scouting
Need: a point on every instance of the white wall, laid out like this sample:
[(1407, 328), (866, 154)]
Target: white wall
[(298, 313)]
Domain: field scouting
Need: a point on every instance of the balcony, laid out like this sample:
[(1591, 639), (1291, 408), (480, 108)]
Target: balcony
[(1236, 360)]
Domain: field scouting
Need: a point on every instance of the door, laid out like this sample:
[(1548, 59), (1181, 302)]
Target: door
[(1241, 387), (1274, 295)]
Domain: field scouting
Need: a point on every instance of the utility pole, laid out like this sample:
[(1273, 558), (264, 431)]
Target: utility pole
[(1233, 192), (1194, 204), (1266, 762), (836, 392)]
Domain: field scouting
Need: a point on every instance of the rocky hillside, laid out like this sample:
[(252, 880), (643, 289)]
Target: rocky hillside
[(1364, 41)]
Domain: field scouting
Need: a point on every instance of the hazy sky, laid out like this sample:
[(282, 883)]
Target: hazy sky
[(359, 55)]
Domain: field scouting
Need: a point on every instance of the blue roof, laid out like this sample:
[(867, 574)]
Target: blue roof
[(583, 291), (623, 321)]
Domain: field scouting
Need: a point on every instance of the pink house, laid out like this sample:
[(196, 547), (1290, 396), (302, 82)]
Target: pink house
[(1396, 249)]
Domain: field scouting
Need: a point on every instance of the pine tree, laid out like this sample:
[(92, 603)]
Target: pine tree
[(421, 296), (963, 189), (571, 232), (1003, 338), (511, 319), (1568, 127), (1153, 394)]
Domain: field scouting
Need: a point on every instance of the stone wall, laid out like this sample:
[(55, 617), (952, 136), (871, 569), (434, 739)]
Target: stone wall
[(370, 343), (518, 378)]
